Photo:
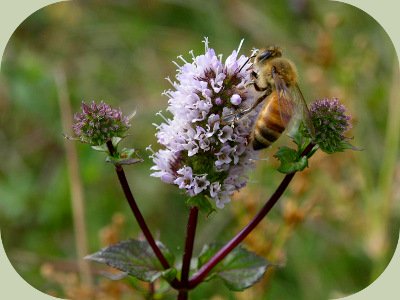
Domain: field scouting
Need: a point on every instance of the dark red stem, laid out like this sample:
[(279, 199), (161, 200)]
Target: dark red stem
[(188, 252), (183, 295), (138, 215), (236, 240)]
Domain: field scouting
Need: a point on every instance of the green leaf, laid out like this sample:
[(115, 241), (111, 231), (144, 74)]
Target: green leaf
[(202, 202), (239, 270), (116, 140), (169, 274), (290, 160), (135, 258), (290, 167), (101, 148), (286, 154), (127, 156)]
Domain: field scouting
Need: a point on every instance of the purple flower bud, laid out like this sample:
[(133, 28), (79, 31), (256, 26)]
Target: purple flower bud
[(235, 99), (98, 123), (218, 101), (330, 122)]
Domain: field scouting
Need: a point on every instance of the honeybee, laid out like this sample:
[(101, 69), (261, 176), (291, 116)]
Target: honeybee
[(276, 77)]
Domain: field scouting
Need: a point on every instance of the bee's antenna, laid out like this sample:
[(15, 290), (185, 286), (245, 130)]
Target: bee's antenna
[(253, 54), (244, 65)]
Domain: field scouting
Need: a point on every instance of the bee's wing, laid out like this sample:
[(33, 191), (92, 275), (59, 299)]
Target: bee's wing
[(302, 109), (293, 107), (287, 107)]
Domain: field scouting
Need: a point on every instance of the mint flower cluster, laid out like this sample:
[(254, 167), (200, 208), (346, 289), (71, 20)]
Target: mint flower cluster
[(331, 122), (99, 123), (201, 155)]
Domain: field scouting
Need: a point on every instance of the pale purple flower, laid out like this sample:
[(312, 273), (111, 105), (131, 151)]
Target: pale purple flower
[(200, 184), (225, 134), (185, 181), (199, 154)]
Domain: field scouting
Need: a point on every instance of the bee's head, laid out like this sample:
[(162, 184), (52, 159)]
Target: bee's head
[(268, 53)]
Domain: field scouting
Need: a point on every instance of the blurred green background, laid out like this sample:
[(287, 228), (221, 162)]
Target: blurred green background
[(333, 232)]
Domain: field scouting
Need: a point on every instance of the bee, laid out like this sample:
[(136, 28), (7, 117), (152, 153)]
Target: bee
[(276, 78)]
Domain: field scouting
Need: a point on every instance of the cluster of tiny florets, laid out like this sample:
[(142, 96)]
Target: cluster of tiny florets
[(331, 122), (99, 123), (201, 154)]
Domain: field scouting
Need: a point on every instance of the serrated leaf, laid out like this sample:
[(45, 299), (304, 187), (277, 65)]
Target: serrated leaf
[(239, 270), (135, 258)]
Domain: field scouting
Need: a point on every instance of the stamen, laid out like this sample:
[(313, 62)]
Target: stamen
[(205, 41), (176, 64), (182, 59), (161, 115), (170, 81), (240, 46)]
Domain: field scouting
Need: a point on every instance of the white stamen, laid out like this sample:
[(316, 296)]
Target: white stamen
[(176, 64), (161, 115), (148, 148), (205, 41), (192, 54), (182, 59), (170, 81), (240, 46)]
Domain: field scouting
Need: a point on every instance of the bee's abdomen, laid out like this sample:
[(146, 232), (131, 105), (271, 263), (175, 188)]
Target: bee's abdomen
[(269, 125)]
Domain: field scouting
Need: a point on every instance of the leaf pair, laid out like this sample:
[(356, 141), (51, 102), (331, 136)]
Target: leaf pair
[(239, 270)]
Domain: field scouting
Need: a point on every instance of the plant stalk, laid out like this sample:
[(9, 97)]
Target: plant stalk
[(188, 252), (138, 215), (236, 240)]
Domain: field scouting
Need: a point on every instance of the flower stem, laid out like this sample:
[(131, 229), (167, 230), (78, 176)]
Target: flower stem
[(236, 240), (183, 295), (138, 215), (187, 255)]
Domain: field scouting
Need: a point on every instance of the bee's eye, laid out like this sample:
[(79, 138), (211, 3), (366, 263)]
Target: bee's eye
[(265, 55), (254, 74)]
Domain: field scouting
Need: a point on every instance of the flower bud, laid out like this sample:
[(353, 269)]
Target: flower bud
[(99, 123), (330, 122)]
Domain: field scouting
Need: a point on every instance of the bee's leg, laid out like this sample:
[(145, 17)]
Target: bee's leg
[(258, 101), (247, 110)]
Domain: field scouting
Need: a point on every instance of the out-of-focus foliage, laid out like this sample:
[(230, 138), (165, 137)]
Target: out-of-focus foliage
[(335, 228)]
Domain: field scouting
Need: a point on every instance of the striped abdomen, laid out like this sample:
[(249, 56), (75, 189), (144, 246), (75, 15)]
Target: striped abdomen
[(269, 125)]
